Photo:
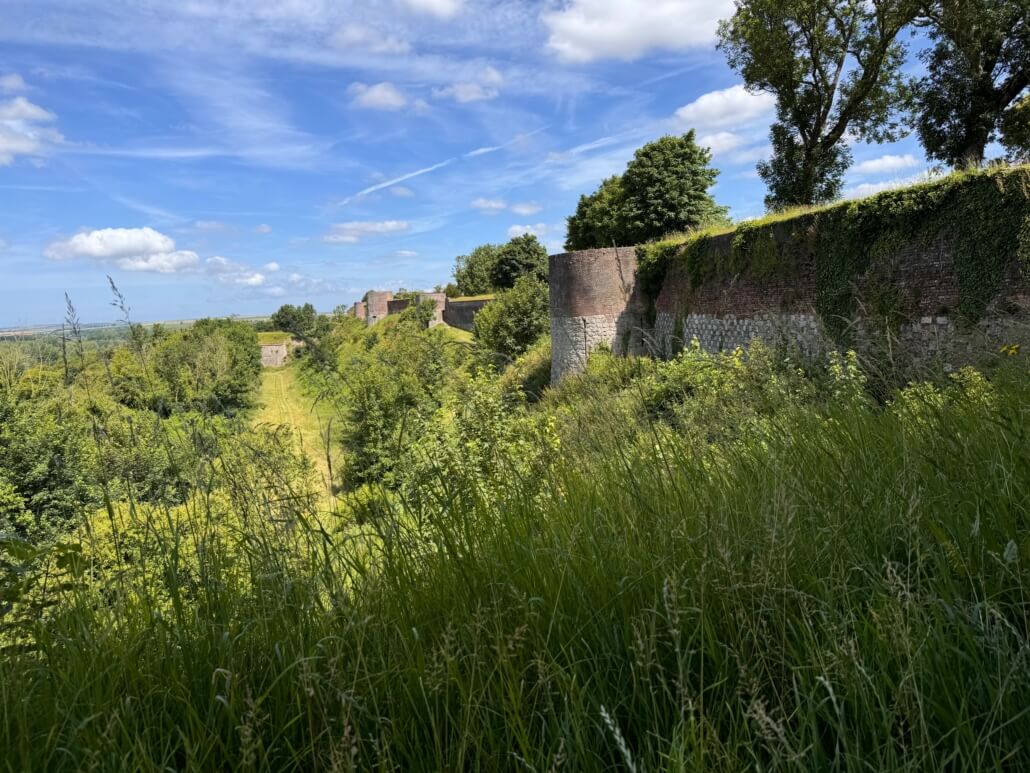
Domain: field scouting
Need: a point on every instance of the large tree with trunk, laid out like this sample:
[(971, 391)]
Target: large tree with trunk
[(835, 68), (978, 71)]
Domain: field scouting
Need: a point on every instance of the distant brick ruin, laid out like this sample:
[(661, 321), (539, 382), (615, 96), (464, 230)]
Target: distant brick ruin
[(456, 312)]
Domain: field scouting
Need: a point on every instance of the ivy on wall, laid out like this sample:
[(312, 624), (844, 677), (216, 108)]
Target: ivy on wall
[(983, 216)]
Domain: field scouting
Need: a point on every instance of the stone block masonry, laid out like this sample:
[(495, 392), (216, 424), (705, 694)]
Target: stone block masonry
[(274, 355)]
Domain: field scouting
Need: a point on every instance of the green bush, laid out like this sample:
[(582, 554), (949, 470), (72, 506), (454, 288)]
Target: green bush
[(516, 319)]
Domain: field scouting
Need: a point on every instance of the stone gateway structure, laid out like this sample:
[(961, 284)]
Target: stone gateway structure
[(940, 269), (274, 355)]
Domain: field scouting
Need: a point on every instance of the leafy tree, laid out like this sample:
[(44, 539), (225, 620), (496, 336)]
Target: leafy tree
[(516, 319), (522, 256), (664, 190), (1015, 130), (600, 218), (978, 67), (472, 272), (213, 365), (299, 320), (834, 67)]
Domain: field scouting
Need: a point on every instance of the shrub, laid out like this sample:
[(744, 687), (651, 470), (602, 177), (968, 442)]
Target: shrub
[(516, 319)]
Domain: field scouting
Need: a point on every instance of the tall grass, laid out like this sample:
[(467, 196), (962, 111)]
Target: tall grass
[(845, 591)]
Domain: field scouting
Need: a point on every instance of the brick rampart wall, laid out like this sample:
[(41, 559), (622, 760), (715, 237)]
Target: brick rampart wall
[(462, 314), (397, 305), (595, 300)]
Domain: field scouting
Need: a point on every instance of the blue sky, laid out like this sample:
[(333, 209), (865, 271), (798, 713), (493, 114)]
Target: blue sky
[(225, 157)]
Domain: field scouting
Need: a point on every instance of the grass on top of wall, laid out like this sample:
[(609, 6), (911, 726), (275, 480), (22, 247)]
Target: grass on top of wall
[(274, 337)]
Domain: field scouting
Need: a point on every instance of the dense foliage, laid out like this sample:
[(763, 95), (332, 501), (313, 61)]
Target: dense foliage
[(83, 423), (664, 190), (473, 272), (977, 69), (835, 69), (302, 321), (493, 267), (523, 256), (516, 319), (657, 565)]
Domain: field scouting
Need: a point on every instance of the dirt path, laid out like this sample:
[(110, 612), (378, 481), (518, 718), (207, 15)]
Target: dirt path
[(283, 401)]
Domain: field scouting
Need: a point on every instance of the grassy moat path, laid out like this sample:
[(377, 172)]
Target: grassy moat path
[(283, 400)]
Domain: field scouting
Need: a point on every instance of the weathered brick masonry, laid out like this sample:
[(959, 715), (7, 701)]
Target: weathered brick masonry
[(597, 300), (377, 305)]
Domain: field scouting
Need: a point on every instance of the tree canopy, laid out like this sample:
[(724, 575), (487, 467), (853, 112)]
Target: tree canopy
[(522, 256), (977, 70), (665, 189), (493, 267), (835, 68), (472, 272)]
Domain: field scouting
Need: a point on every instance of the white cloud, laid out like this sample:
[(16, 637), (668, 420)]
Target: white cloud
[(210, 225), (147, 250), (443, 9), (721, 142), (526, 208), (271, 267), (402, 192), (381, 96), (586, 30), (20, 109), (232, 273), (868, 189), (264, 228), (161, 262), (466, 92), (131, 249), (490, 206), (887, 164), (107, 243), (354, 232), (405, 254), (726, 108), (539, 230), (12, 82), (356, 36), (22, 131), (485, 86), (3, 245)]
